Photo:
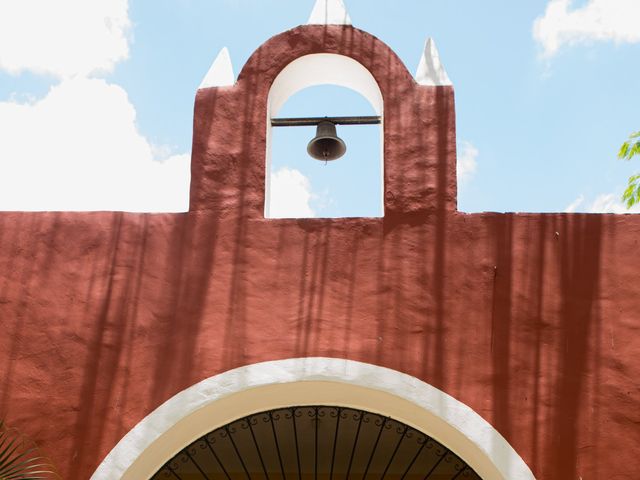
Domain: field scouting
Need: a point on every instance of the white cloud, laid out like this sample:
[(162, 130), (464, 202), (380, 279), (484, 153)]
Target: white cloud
[(467, 161), (79, 149), (604, 203), (561, 24), (611, 203), (63, 37), (573, 206), (290, 195)]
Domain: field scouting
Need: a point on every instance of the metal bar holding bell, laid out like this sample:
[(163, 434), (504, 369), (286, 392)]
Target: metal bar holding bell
[(314, 121)]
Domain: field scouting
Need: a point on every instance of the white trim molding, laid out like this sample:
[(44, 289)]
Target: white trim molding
[(430, 71), (220, 73), (324, 69), (329, 12), (229, 396)]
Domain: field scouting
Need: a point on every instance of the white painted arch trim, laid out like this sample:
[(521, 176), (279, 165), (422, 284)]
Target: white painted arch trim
[(324, 69), (223, 398), (314, 70)]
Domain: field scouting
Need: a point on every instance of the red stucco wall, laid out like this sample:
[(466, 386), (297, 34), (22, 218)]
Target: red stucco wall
[(531, 320)]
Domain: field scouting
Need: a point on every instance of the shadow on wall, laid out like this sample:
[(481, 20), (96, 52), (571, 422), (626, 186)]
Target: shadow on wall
[(490, 308), (545, 335)]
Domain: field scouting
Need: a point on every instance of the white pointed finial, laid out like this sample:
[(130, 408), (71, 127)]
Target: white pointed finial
[(430, 71), (329, 12), (221, 72)]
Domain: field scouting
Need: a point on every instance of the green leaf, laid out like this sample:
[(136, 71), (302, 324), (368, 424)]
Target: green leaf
[(634, 178), (20, 458), (624, 149), (629, 150)]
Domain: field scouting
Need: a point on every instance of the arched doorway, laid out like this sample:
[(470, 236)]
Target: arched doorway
[(316, 442), (304, 385)]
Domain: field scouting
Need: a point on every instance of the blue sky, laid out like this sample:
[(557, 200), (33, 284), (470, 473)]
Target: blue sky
[(96, 100)]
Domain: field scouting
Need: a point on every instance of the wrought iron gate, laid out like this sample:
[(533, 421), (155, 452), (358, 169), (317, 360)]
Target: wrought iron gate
[(316, 442)]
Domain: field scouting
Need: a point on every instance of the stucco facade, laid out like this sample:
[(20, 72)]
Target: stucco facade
[(530, 320)]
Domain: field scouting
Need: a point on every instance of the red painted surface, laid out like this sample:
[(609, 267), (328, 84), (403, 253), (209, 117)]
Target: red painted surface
[(531, 320)]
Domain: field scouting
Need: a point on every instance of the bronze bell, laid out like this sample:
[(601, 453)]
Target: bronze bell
[(326, 145)]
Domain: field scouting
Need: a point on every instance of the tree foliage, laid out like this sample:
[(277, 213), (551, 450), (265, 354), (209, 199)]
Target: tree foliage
[(20, 458), (628, 150)]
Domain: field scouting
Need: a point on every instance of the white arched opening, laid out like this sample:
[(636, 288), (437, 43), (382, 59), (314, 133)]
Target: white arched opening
[(314, 70), (309, 381)]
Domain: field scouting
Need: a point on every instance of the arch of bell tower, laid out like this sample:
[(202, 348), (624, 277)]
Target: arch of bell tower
[(320, 69), (231, 119)]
